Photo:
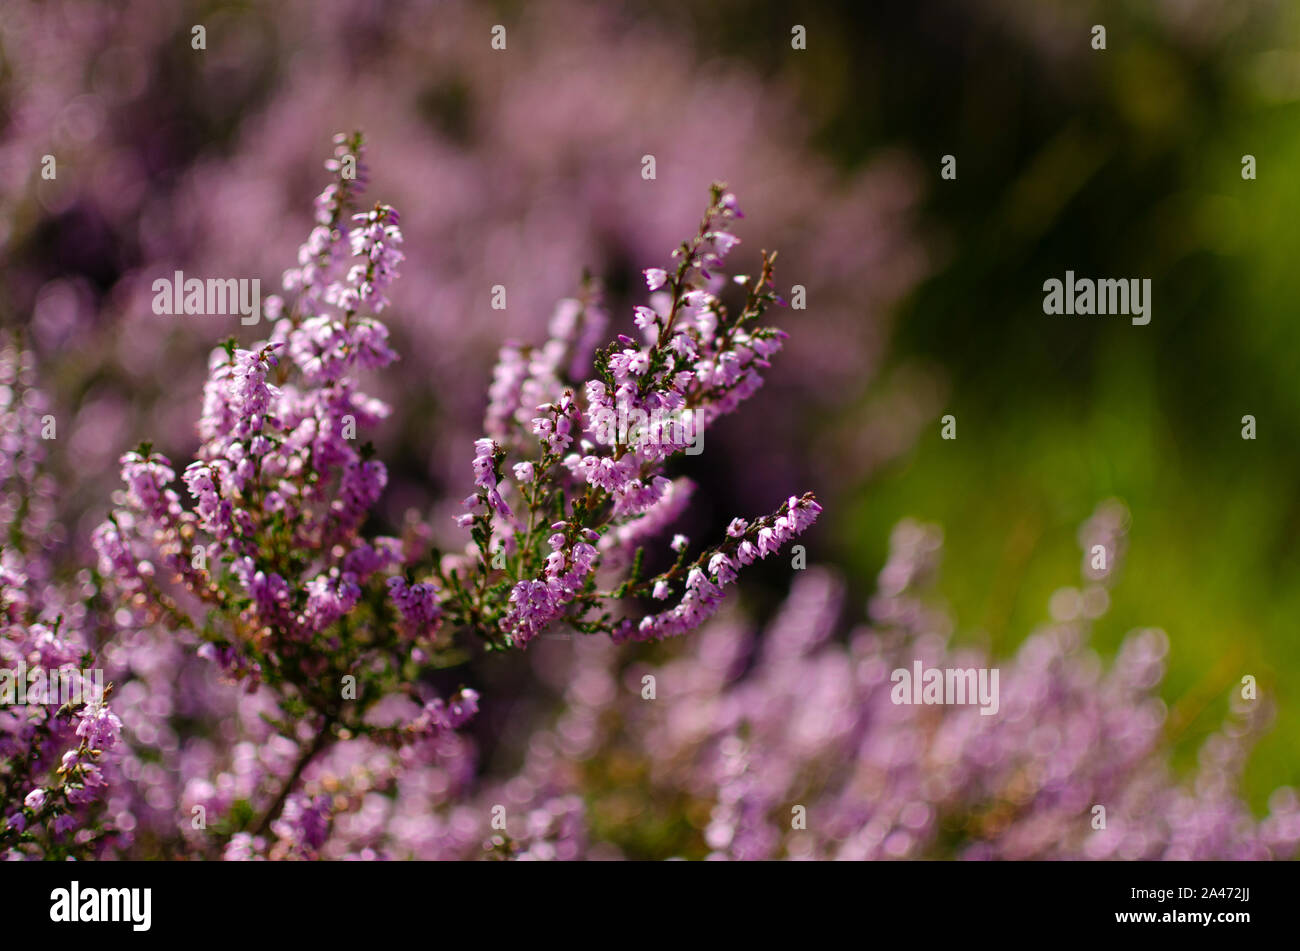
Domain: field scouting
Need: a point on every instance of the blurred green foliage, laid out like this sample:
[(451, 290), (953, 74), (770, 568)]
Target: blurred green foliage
[(1119, 163)]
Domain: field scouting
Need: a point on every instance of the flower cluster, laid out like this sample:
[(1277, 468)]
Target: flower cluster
[(788, 742), (268, 572), (586, 500), (348, 740), (340, 637), (57, 733), (755, 728)]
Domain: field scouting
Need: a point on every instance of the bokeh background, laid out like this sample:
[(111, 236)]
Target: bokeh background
[(522, 168)]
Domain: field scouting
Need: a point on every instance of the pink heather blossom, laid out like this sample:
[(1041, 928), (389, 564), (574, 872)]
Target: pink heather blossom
[(54, 750), (695, 365), (418, 606), (264, 579)]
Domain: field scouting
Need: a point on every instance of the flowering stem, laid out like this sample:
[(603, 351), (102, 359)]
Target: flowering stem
[(320, 741)]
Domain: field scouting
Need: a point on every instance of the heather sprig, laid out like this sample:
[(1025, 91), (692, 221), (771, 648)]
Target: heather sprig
[(590, 458), (267, 572), (54, 747)]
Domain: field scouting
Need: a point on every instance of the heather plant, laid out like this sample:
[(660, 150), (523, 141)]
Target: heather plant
[(789, 742), (270, 573), (57, 733), (786, 742), (261, 566)]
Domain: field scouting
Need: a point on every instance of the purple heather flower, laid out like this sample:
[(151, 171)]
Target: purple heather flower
[(243, 847), (250, 395), (366, 559), (484, 462), (418, 606), (361, 485), (462, 707), (115, 557), (99, 725), (646, 319), (304, 823), (146, 480), (329, 597)]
